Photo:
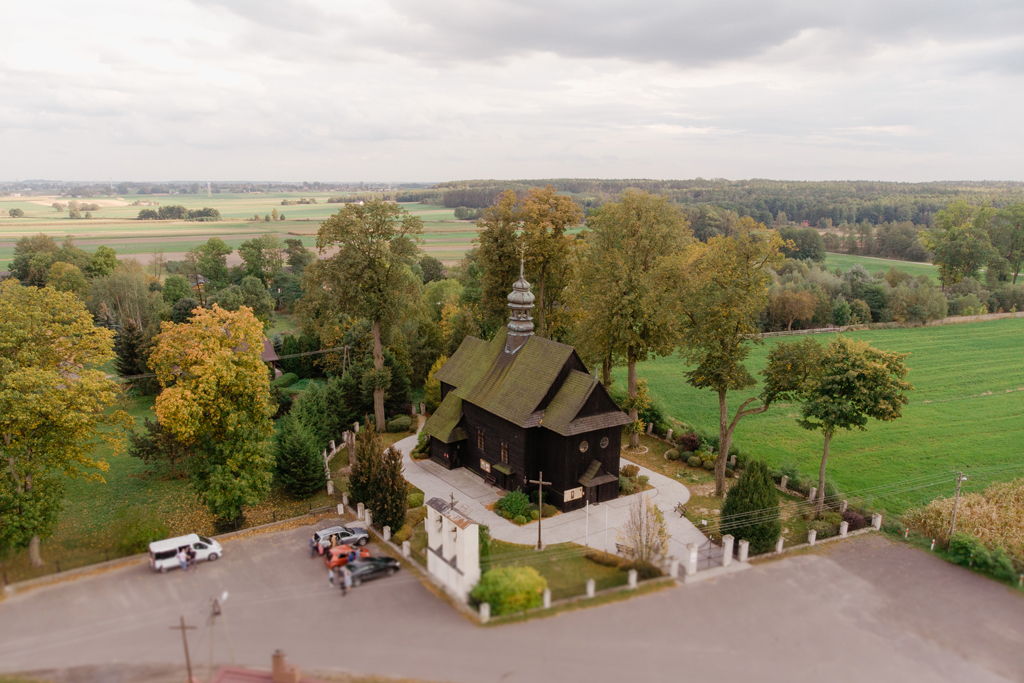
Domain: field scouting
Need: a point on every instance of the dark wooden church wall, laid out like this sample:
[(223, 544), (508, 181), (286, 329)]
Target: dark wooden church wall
[(496, 431)]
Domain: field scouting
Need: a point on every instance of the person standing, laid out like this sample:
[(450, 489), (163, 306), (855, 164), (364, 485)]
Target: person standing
[(182, 558), (346, 580), (190, 557)]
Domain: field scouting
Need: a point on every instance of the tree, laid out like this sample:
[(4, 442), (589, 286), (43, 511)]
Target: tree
[(298, 462), (148, 215), (720, 289), (103, 262), (32, 258), (369, 274), (16, 213), (216, 400), (788, 306), (377, 481), (130, 346), (432, 387), (182, 310), (210, 260), (803, 243), (644, 537), (546, 215), (1007, 236), (431, 269), (54, 402), (262, 257), (498, 255), (842, 387), (66, 277), (751, 509), (297, 256), (959, 241), (156, 446), (124, 296), (176, 288), (619, 294)]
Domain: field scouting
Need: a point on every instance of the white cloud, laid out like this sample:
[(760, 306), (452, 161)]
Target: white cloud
[(401, 89)]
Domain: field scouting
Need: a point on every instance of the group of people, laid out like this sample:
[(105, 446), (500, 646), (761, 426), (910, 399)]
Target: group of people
[(186, 557)]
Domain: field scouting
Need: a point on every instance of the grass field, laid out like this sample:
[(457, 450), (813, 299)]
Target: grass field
[(966, 412), (562, 564), (880, 265)]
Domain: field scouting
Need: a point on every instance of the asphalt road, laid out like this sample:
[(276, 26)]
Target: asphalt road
[(864, 609)]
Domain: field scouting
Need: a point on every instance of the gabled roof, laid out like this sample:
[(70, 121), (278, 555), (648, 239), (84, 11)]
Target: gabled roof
[(444, 423), (567, 402)]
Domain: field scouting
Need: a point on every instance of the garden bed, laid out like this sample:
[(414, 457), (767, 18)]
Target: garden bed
[(564, 565)]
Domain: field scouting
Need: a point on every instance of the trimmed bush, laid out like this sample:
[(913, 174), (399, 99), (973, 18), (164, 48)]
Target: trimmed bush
[(707, 456), (708, 464), (520, 520), (751, 509), (627, 486), (693, 461), (642, 481), (534, 514), (854, 520), (644, 570), (671, 454), (514, 504), (285, 380), (629, 471), (510, 589), (604, 559), (968, 551), (414, 517), (688, 441), (827, 525), (414, 499), (548, 510), (399, 423)]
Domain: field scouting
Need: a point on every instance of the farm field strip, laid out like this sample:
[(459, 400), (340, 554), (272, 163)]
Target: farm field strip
[(966, 412), (874, 265)]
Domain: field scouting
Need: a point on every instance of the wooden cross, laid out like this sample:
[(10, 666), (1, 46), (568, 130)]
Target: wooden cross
[(184, 641), (539, 481)]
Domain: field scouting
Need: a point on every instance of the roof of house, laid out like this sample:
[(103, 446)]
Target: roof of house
[(513, 386), (269, 355)]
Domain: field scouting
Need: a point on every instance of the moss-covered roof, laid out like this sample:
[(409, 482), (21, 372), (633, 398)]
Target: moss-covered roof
[(512, 386), (444, 423)]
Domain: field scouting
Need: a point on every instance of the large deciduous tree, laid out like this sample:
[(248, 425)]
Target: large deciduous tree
[(369, 274), (546, 215), (216, 400), (1007, 236), (720, 289), (263, 257), (498, 256), (842, 386), (619, 294), (54, 400), (959, 241)]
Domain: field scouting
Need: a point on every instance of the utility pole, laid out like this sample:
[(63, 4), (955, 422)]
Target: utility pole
[(539, 481), (960, 479), (184, 641)]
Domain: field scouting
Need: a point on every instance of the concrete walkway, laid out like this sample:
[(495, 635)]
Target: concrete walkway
[(596, 527)]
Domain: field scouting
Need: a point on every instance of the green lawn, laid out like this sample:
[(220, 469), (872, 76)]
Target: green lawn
[(562, 564), (966, 411), (880, 265)]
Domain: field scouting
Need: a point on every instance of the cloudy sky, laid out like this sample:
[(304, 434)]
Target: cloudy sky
[(406, 90)]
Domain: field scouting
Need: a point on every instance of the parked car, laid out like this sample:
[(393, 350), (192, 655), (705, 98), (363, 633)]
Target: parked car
[(338, 555), (366, 569), (321, 540), (163, 555)]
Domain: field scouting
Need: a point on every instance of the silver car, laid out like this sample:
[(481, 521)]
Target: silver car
[(341, 535)]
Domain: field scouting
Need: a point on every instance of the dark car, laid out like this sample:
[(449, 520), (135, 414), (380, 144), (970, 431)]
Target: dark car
[(368, 568)]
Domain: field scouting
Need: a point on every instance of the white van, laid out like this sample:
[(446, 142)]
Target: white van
[(163, 555)]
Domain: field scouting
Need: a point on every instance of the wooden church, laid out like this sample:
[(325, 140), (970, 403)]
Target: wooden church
[(519, 405)]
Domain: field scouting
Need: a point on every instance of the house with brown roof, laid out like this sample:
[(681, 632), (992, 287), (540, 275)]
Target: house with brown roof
[(519, 405)]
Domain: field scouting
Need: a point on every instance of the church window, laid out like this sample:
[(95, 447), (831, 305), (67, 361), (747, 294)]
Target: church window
[(504, 453), (604, 442), (584, 446), (480, 438)]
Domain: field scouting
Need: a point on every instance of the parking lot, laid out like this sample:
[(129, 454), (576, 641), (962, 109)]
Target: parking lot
[(863, 609)]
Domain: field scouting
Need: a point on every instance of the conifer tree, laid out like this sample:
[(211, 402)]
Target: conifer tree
[(751, 509), (377, 481), (299, 466), (129, 345)]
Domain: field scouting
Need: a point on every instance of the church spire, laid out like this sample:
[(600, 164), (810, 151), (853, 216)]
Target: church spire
[(520, 322)]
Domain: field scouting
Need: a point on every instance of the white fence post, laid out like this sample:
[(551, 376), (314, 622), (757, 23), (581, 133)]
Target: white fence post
[(406, 548), (812, 536), (485, 612), (844, 528), (632, 578), (547, 598), (778, 545), (744, 550), (387, 533), (691, 559), (727, 550), (591, 588), (360, 510), (876, 521)]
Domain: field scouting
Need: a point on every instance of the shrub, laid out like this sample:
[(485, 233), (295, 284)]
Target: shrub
[(968, 551), (514, 504), (510, 589), (520, 520), (827, 525), (399, 423), (688, 441), (642, 481), (414, 499), (708, 464), (729, 472), (419, 455), (854, 520), (671, 454), (693, 461), (604, 559), (707, 456), (534, 514), (548, 510), (286, 380), (629, 471), (413, 518), (751, 509), (644, 570), (627, 486)]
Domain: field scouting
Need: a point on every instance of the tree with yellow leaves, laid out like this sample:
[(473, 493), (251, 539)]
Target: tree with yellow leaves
[(54, 400), (216, 400)]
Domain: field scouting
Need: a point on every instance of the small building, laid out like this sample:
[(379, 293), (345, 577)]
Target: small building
[(519, 405), (453, 548)]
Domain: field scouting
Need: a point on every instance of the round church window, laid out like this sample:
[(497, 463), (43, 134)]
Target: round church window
[(604, 442), (584, 445)]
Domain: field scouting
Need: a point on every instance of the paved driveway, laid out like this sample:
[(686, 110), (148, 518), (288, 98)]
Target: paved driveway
[(597, 526), (859, 610)]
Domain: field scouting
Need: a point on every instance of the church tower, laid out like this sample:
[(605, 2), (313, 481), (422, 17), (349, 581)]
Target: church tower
[(520, 322)]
